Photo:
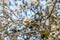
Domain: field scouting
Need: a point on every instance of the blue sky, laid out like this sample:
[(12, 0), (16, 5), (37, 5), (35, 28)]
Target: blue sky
[(29, 12)]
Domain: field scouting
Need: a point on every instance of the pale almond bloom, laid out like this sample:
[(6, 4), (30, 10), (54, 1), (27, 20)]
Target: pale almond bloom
[(26, 20), (43, 13), (5, 1), (4, 22), (59, 36), (53, 34), (34, 2), (50, 38), (16, 10), (4, 10), (53, 27), (47, 22), (58, 26), (58, 3), (50, 9)]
